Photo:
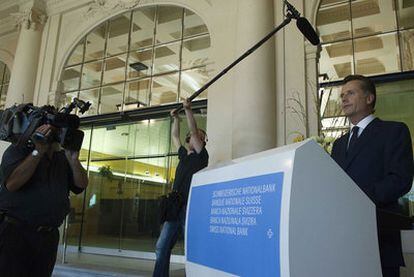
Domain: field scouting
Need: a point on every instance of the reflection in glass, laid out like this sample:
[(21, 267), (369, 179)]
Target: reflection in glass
[(372, 47), (95, 43), (142, 32), (334, 22), (396, 96), (405, 14), (149, 137), (76, 200), (173, 163), (166, 58), (163, 40), (4, 80), (407, 49), (193, 24), (195, 52), (84, 152), (169, 24), (6, 76), (77, 54), (114, 69), (91, 75), (139, 64), (136, 94), (192, 80), (325, 3), (91, 95), (330, 101), (3, 95), (103, 209), (126, 178), (373, 17), (335, 126), (164, 89), (71, 78), (3, 67), (377, 55), (111, 99), (141, 191), (336, 60), (118, 31)]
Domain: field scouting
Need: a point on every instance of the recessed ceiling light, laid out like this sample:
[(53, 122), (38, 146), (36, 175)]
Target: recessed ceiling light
[(138, 66)]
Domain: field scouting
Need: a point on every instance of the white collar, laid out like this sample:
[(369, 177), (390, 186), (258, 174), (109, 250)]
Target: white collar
[(364, 122)]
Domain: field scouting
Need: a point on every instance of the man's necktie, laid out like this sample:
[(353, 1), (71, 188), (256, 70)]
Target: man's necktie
[(354, 138)]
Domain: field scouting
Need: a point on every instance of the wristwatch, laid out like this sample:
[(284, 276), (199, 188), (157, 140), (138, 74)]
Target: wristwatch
[(35, 153)]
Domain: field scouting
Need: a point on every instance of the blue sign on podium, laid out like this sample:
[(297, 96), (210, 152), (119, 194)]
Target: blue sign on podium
[(233, 226)]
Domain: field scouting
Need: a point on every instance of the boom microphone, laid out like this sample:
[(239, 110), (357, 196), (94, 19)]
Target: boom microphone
[(307, 30), (303, 24)]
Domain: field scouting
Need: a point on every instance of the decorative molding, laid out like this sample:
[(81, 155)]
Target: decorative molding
[(61, 6), (106, 7), (5, 4), (7, 25), (30, 18)]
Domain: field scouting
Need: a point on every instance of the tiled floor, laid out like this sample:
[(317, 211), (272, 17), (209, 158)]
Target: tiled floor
[(87, 265)]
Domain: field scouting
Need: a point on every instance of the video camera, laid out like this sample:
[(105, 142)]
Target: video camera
[(19, 122)]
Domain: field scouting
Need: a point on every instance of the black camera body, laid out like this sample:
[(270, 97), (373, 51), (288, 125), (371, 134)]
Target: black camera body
[(19, 123)]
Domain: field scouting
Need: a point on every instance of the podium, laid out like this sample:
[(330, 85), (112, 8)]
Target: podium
[(289, 211)]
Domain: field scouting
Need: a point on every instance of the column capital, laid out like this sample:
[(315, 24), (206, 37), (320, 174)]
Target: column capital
[(30, 18)]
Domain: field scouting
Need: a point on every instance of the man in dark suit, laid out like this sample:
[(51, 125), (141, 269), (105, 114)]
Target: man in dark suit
[(378, 156)]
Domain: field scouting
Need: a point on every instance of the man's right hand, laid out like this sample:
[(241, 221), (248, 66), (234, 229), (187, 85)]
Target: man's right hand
[(187, 104), (174, 113), (45, 130)]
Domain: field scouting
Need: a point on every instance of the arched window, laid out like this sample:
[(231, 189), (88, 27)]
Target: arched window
[(151, 56), (143, 58), (4, 83), (369, 37)]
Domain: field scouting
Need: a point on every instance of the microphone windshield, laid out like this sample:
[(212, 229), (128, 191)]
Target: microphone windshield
[(307, 30)]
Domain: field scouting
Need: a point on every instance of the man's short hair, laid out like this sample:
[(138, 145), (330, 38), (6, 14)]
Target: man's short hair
[(188, 136), (367, 85)]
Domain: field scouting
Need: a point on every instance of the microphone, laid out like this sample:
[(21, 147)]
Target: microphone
[(303, 24), (307, 30)]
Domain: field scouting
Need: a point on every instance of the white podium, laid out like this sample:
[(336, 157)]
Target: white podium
[(290, 211)]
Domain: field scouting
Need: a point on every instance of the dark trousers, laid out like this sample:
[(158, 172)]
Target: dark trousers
[(390, 272), (27, 252)]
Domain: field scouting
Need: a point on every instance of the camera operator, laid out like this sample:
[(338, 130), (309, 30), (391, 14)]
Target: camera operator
[(34, 200)]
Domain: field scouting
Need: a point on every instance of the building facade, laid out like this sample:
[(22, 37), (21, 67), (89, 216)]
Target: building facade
[(136, 59)]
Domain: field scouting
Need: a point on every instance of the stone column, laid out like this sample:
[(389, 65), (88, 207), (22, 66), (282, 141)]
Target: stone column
[(254, 103), (23, 75), (297, 77), (312, 86)]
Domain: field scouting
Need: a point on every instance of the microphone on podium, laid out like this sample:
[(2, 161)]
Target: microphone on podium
[(303, 25)]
